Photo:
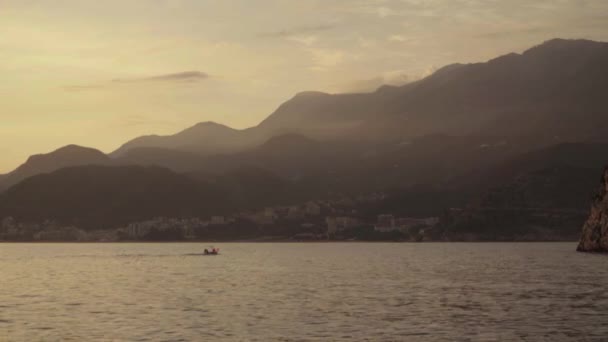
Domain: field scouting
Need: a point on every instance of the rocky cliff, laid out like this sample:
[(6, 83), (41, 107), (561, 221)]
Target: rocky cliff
[(595, 231)]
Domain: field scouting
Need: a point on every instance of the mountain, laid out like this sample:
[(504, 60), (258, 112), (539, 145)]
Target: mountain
[(546, 204), (549, 94), (543, 194), (322, 115), (176, 160), (288, 156), (509, 140), (551, 187), (202, 138), (250, 187), (463, 120), (71, 155), (558, 176), (594, 236), (105, 196), (588, 156)]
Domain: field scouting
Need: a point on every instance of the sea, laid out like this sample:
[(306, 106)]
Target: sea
[(302, 292)]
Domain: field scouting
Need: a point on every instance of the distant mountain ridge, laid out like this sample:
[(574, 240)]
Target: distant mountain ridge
[(176, 160), (202, 138), (70, 155), (550, 93)]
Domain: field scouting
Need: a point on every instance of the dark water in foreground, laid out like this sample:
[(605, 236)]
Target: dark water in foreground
[(302, 292)]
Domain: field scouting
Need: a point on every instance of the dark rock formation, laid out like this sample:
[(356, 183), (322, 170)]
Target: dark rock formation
[(595, 231)]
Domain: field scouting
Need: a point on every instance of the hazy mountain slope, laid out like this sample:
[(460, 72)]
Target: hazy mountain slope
[(504, 183), (558, 178), (466, 164), (550, 187), (548, 203), (569, 155), (103, 197), (176, 160), (202, 138), (551, 93), (250, 187), (543, 194), (291, 156), (543, 93), (433, 159), (334, 166), (326, 116), (70, 155)]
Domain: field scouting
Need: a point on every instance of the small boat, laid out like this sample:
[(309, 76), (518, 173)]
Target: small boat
[(212, 251)]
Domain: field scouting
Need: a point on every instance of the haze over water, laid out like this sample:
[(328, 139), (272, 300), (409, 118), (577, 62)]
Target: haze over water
[(302, 292)]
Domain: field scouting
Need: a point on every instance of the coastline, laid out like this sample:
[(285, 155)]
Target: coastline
[(284, 241)]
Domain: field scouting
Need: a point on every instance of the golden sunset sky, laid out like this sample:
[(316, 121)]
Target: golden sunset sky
[(98, 73)]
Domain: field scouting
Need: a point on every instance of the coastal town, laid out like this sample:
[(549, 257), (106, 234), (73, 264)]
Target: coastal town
[(336, 219)]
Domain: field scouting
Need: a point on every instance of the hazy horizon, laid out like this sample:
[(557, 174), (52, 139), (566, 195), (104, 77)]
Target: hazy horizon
[(99, 74)]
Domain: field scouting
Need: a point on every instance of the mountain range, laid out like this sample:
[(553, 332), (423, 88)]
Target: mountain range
[(550, 93), (71, 155), (96, 196), (459, 134)]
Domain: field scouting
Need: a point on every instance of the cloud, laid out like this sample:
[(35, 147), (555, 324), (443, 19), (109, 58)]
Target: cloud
[(305, 40), (394, 78), (180, 76), (184, 76), (384, 12), (297, 31), (83, 87), (397, 38), (324, 59), (361, 86)]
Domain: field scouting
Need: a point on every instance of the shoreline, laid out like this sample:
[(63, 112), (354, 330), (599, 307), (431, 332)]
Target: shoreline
[(276, 241)]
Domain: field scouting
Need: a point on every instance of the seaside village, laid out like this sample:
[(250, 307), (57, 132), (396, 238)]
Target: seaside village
[(343, 219)]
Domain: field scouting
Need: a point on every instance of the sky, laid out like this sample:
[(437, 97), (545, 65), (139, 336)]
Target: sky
[(99, 73)]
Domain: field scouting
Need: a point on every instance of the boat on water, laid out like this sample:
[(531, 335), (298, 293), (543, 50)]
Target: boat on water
[(211, 251)]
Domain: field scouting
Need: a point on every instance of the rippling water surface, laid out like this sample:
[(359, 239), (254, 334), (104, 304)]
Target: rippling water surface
[(302, 292)]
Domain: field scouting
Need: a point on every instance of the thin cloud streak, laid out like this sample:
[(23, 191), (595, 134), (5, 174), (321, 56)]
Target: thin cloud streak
[(180, 76), (83, 87), (185, 76), (297, 31)]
